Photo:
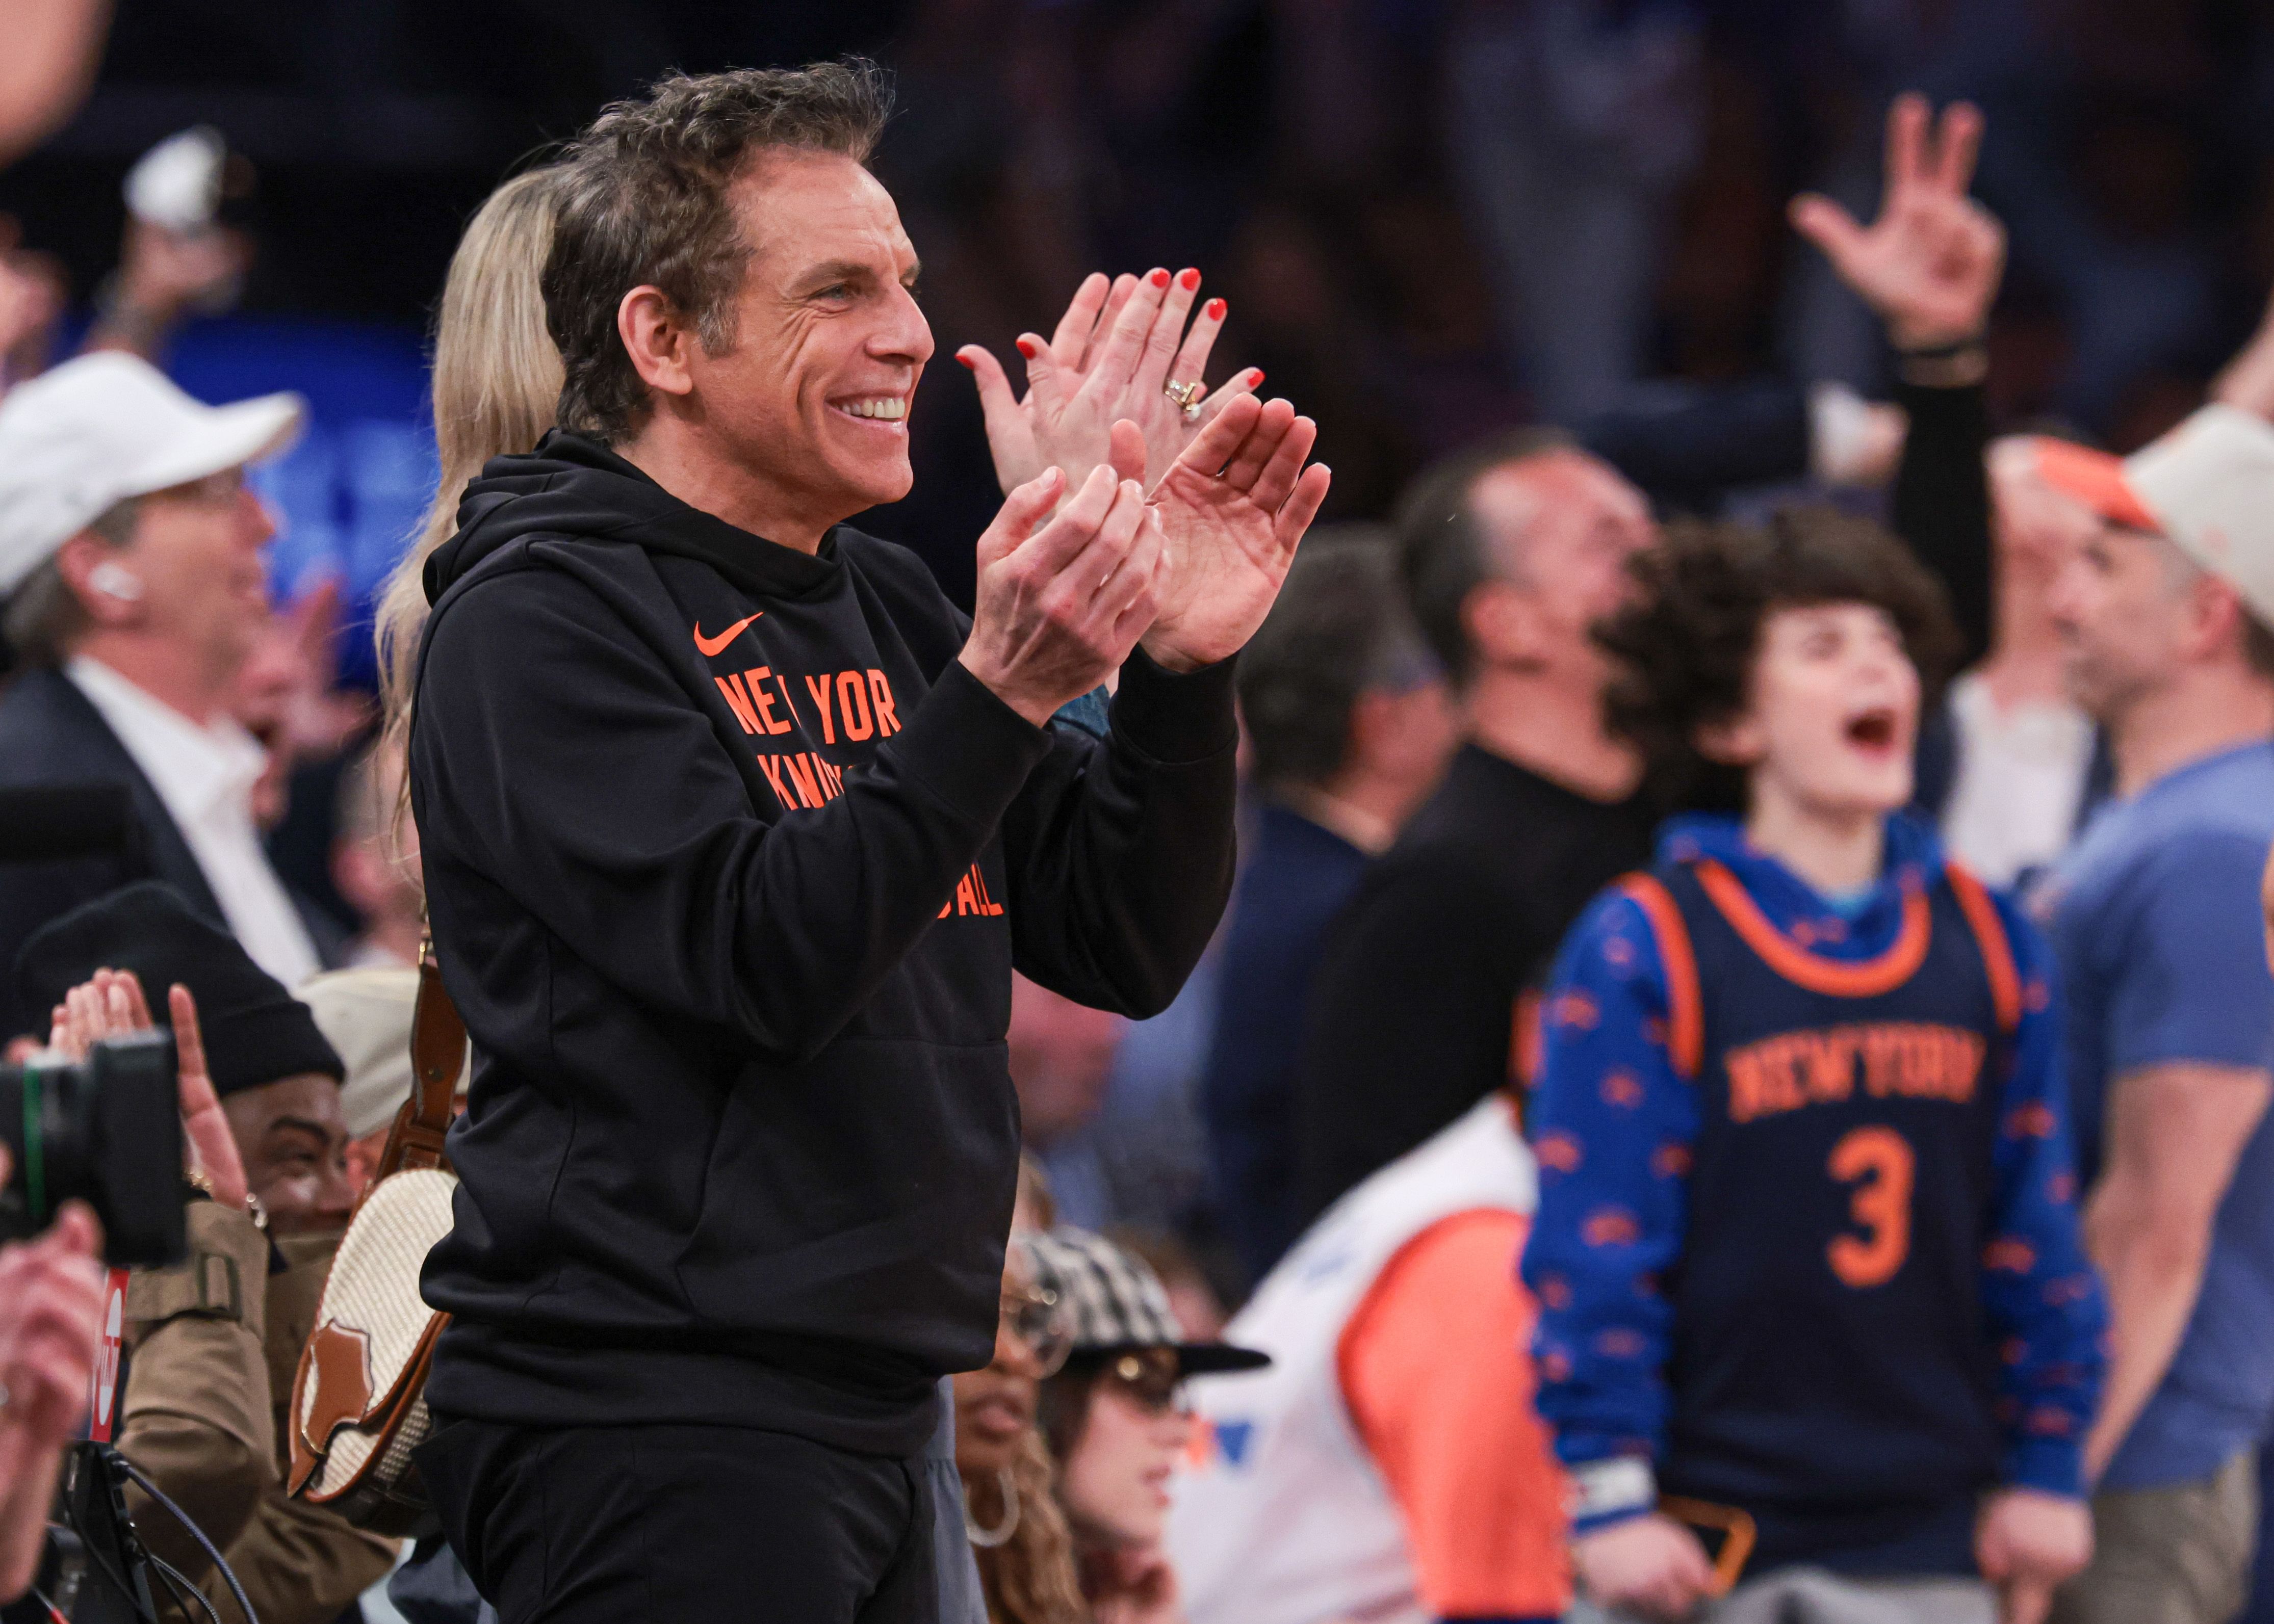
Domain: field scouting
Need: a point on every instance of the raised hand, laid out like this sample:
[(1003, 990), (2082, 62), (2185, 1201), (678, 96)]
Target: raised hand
[(111, 1004), (1061, 601), (1930, 265), (1116, 350), (1232, 508), (2248, 381)]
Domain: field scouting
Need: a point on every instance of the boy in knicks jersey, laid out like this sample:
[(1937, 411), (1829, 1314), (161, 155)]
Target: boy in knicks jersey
[(1805, 1247)]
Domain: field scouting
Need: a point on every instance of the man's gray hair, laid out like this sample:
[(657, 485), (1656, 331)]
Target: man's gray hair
[(643, 202), (1443, 552), (1339, 629)]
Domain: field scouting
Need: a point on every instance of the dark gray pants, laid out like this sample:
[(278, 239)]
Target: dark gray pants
[(1811, 1596)]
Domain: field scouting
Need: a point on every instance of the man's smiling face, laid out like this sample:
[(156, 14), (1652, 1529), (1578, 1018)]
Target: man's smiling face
[(827, 341)]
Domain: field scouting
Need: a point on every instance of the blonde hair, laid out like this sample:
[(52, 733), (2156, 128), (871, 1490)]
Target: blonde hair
[(497, 385), (1031, 1577)]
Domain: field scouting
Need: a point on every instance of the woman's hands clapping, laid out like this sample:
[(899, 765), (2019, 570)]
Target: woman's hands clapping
[(1116, 350)]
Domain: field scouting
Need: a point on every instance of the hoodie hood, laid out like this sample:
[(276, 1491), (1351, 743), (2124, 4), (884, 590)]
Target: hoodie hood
[(574, 486), (1913, 857)]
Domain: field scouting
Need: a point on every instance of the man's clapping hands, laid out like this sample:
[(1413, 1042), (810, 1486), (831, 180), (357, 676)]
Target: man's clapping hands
[(110, 1005), (1063, 599), (1176, 530)]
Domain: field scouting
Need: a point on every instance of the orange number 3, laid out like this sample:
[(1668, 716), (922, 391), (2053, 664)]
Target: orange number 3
[(1879, 1161)]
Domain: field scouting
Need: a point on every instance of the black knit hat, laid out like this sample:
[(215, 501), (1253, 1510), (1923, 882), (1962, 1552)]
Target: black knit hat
[(255, 1032)]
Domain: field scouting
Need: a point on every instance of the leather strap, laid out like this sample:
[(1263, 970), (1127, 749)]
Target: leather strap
[(438, 1055)]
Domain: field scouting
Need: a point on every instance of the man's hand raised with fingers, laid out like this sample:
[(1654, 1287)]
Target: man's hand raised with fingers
[(1930, 265), (1116, 350), (110, 1005), (1062, 600), (1232, 508)]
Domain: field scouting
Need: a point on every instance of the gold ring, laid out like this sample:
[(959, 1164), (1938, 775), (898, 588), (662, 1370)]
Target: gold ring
[(1187, 395)]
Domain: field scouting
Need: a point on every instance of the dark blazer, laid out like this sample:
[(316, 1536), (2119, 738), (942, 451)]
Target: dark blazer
[(51, 734)]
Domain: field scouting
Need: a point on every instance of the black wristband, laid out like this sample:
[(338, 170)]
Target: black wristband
[(1965, 369), (1955, 347)]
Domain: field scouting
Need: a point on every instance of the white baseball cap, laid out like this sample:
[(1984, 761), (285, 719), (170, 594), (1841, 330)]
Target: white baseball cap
[(366, 1015), (2208, 484), (78, 439)]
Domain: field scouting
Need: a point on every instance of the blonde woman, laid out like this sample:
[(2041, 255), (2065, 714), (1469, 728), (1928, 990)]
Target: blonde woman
[(497, 381)]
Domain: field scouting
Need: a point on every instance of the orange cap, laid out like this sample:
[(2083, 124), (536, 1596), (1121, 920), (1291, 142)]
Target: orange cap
[(2097, 479)]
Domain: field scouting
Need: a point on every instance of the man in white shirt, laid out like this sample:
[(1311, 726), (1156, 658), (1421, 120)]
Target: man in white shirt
[(130, 567)]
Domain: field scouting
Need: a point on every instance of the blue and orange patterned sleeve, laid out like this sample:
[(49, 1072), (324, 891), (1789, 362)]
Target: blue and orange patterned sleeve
[(1612, 1125), (2040, 1295)]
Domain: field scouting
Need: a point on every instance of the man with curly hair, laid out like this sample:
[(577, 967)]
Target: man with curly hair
[(1805, 1248)]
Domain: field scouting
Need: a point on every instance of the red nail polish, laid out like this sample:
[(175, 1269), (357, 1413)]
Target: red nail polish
[(1027, 348), (1159, 279), (1215, 310), (1256, 382), (1191, 279), (965, 362)]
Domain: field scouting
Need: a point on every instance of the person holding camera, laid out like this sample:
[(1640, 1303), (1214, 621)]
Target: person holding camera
[(50, 1333), (212, 1341)]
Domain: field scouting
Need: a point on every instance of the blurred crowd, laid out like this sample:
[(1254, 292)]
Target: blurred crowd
[(1438, 221), (1561, 282)]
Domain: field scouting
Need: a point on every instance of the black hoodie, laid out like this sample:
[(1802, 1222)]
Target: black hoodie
[(729, 863)]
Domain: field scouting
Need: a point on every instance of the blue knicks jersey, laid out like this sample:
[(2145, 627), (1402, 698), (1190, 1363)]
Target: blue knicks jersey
[(1831, 1370)]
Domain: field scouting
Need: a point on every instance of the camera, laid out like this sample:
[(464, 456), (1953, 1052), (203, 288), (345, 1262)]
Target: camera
[(107, 1130)]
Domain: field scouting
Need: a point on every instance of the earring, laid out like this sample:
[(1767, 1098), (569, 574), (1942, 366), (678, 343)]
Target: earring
[(988, 1538)]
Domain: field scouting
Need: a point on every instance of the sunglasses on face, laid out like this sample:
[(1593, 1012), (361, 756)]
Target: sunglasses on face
[(1039, 1322), (1151, 1380)]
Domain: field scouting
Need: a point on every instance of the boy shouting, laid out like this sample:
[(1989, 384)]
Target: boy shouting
[(1805, 1247)]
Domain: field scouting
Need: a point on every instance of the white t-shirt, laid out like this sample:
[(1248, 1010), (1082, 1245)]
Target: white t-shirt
[(205, 775)]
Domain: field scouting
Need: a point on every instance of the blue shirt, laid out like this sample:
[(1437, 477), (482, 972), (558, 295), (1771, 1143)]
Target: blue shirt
[(1297, 880), (2154, 919)]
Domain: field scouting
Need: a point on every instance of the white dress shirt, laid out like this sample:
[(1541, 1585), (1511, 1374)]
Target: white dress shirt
[(2021, 779), (204, 776)]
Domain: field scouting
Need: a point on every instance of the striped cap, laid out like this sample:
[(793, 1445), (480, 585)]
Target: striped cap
[(1116, 1303)]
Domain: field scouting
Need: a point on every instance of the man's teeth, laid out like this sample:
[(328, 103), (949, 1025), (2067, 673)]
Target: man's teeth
[(889, 406)]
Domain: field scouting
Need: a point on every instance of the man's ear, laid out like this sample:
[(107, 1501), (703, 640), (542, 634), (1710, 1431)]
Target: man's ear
[(659, 339), (82, 561), (1734, 741), (2216, 618), (1502, 624), (1373, 717)]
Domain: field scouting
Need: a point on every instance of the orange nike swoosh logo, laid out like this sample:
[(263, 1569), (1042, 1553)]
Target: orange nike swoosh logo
[(711, 646)]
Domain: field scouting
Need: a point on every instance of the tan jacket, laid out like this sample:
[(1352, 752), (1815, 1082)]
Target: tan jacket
[(209, 1377)]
